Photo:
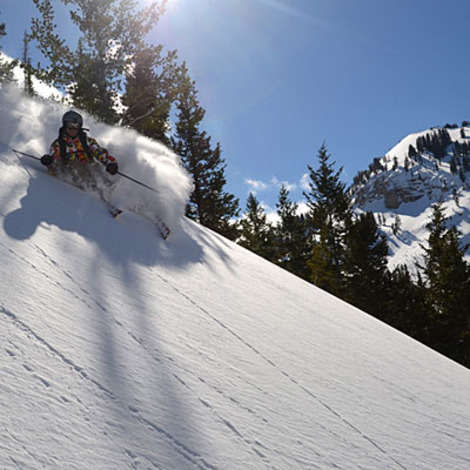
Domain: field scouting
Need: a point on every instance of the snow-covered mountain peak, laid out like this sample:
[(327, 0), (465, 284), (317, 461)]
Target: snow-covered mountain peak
[(400, 187), (433, 162)]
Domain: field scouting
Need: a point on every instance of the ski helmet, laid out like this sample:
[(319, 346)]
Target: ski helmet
[(72, 119)]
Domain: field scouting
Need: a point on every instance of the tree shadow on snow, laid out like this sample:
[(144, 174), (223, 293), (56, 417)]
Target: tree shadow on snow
[(160, 401), (131, 238)]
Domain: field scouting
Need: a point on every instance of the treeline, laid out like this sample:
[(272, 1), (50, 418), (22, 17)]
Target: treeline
[(119, 77), (438, 143), (347, 255)]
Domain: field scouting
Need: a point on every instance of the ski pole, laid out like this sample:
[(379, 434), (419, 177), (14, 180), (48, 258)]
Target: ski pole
[(138, 182), (119, 173), (25, 154), (17, 155)]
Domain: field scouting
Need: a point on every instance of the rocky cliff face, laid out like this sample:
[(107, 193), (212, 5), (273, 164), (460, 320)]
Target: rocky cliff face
[(405, 175), (423, 168)]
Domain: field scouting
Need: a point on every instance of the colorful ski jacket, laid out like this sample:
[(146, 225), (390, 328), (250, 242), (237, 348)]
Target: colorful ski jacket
[(82, 148)]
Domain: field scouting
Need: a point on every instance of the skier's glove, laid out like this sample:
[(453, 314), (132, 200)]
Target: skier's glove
[(112, 168), (46, 160)]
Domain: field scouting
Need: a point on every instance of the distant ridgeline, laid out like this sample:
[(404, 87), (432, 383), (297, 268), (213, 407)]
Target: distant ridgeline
[(432, 162)]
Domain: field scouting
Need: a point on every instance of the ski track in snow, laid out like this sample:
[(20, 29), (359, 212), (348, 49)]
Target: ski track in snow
[(91, 303), (288, 376), (254, 446), (79, 370), (183, 450), (180, 447), (142, 344), (189, 454), (136, 460)]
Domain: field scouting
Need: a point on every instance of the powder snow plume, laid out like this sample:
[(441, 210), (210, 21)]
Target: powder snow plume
[(30, 125)]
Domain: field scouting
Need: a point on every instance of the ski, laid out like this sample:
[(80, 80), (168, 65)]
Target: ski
[(162, 227), (114, 211)]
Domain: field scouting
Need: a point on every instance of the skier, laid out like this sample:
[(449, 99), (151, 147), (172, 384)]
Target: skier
[(74, 154)]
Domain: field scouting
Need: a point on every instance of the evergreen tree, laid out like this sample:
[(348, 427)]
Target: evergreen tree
[(420, 144), (325, 271), (329, 214), (256, 234), (447, 277), (365, 264), (292, 236), (110, 32), (327, 198), (462, 175), (209, 204), (3, 30), (27, 69), (151, 90), (427, 141), (454, 164), (405, 306), (396, 225), (6, 68), (466, 163), (407, 164)]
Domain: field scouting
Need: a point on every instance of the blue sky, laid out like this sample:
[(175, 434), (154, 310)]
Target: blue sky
[(279, 77)]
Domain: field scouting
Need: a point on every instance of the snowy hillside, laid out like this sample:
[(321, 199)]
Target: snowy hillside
[(121, 351), (400, 191)]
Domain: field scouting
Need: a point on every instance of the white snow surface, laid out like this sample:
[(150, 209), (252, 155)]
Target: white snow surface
[(119, 350)]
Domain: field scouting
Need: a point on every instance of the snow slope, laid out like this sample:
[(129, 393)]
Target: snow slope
[(121, 351)]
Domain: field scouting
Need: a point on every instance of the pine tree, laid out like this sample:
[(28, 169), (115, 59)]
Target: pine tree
[(466, 163), (325, 272), (292, 236), (396, 225), (412, 153), (209, 204), (326, 198), (6, 68), (256, 234), (447, 278), (110, 32), (365, 264), (420, 144), (329, 214), (151, 90), (407, 164), (405, 306), (27, 69), (454, 163)]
